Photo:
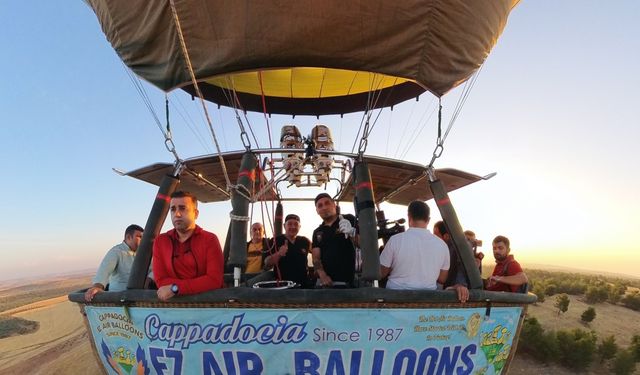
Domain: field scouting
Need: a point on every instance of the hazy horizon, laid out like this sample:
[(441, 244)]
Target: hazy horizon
[(526, 265)]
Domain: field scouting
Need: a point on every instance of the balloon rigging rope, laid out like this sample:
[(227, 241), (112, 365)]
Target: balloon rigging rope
[(145, 98), (264, 109), (243, 133), (373, 96), (405, 128), (417, 131), (234, 102), (266, 120), (185, 53), (386, 148), (380, 110), (466, 90), (195, 130), (468, 86)]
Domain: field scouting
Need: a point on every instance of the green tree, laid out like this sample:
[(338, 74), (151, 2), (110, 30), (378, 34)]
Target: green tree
[(615, 293), (588, 315), (624, 363), (530, 335), (620, 288), (550, 289), (576, 348), (540, 294), (596, 293), (634, 348), (562, 303), (632, 300), (540, 344), (607, 348), (538, 290), (614, 298)]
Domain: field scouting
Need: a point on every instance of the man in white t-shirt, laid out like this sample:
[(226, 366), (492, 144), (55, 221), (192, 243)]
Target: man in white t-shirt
[(416, 259)]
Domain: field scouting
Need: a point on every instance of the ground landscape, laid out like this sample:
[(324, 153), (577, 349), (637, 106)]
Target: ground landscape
[(41, 332)]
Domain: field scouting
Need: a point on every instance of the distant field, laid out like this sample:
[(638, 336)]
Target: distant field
[(17, 296), (610, 319), (60, 346)]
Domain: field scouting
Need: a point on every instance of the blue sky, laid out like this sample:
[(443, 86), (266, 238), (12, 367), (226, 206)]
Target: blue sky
[(554, 112)]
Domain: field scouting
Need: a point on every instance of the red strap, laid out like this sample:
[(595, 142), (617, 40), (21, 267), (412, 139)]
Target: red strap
[(251, 174), (444, 201), (364, 185), (163, 197), (505, 268)]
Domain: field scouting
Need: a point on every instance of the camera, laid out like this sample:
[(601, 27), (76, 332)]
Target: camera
[(387, 228)]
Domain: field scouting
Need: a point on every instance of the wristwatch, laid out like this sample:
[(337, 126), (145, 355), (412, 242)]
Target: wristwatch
[(174, 288)]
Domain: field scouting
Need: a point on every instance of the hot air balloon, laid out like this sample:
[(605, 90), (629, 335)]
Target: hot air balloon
[(305, 58)]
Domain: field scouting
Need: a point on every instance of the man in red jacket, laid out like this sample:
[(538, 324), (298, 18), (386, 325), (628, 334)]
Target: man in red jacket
[(186, 259)]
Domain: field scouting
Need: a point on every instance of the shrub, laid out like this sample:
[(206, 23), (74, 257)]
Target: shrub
[(596, 294), (550, 289), (607, 348), (540, 344), (588, 315), (562, 303), (530, 334), (576, 348), (12, 326), (634, 348), (632, 301), (538, 290), (540, 294), (624, 363), (614, 298)]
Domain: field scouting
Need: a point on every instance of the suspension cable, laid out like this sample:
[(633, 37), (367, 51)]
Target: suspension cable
[(237, 105), (382, 106), (234, 103), (264, 109), (437, 152), (373, 96), (266, 118), (168, 140), (463, 99), (195, 130), (417, 131), (185, 52), (368, 128)]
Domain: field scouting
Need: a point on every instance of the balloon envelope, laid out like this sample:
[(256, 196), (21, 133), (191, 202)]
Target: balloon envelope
[(305, 57)]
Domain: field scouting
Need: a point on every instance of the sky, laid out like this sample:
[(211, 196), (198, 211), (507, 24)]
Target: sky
[(554, 112)]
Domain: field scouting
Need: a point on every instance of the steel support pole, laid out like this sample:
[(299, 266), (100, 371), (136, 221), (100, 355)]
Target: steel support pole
[(367, 222), (156, 218), (454, 228), (240, 212)]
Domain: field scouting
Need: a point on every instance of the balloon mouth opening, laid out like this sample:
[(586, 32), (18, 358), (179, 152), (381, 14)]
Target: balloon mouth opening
[(305, 82)]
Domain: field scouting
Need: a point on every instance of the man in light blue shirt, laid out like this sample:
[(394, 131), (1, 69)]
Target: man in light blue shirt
[(116, 265)]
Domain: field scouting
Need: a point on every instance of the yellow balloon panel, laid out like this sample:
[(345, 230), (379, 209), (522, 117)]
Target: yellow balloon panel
[(305, 82)]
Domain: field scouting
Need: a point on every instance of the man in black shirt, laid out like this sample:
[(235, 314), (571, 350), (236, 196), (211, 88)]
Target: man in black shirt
[(333, 245), (290, 259)]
